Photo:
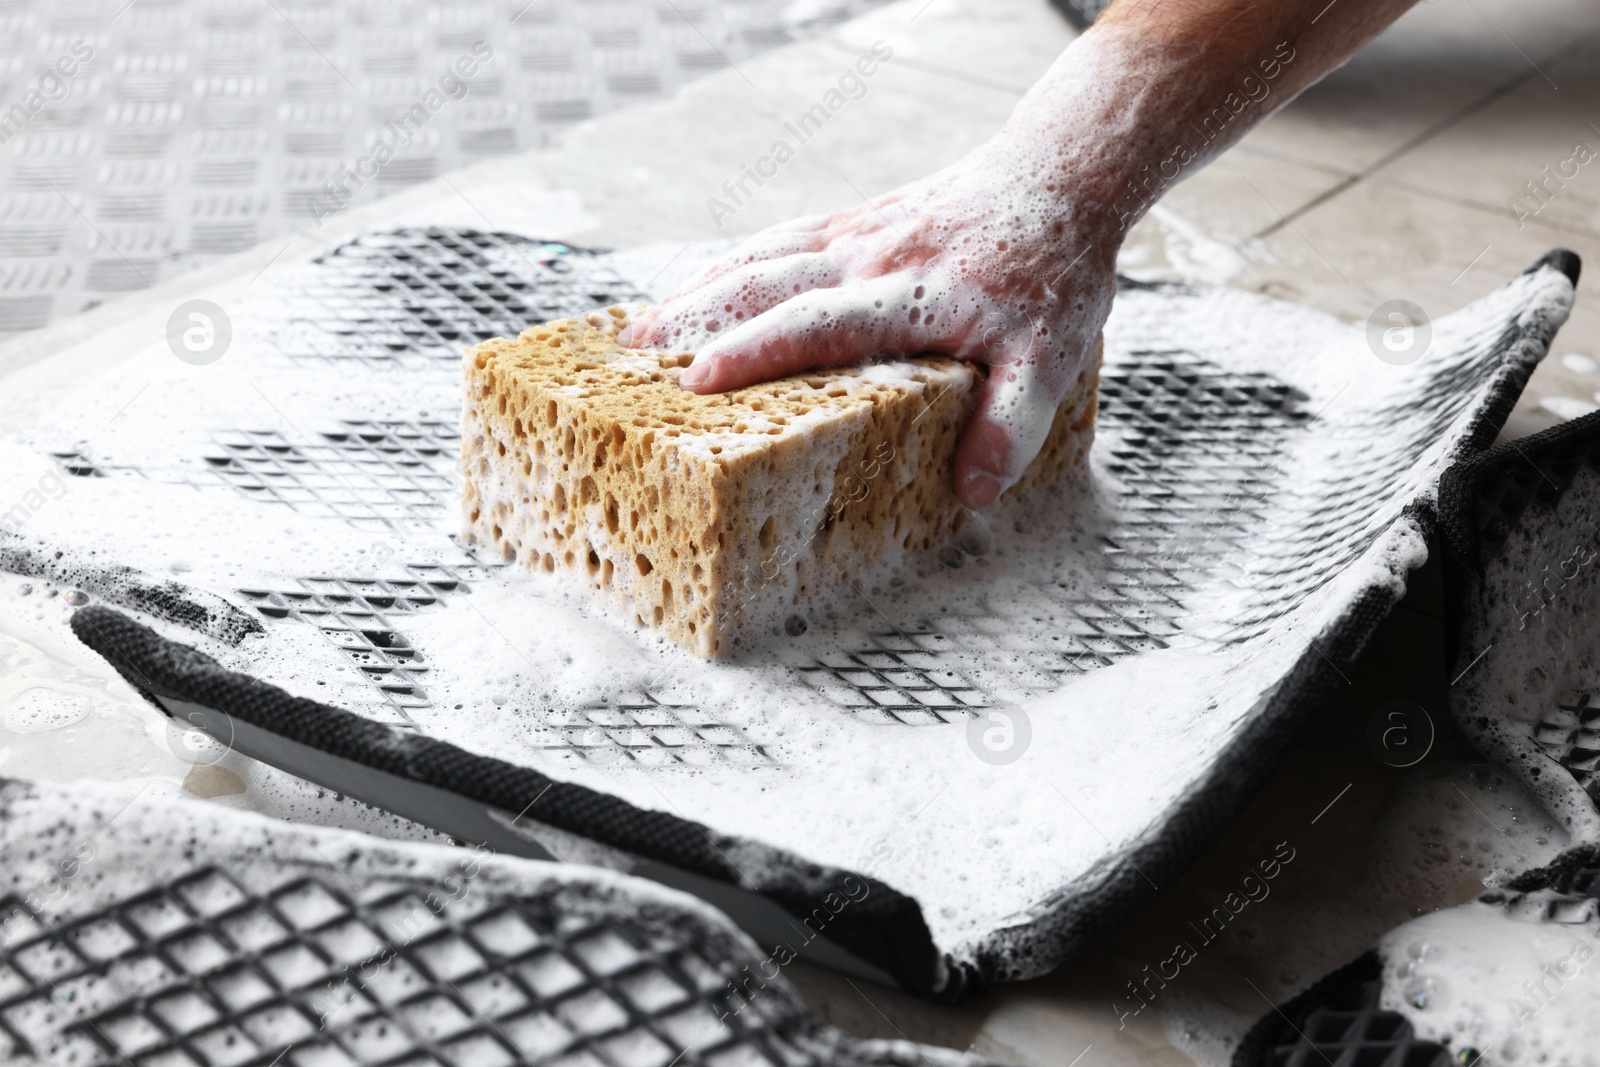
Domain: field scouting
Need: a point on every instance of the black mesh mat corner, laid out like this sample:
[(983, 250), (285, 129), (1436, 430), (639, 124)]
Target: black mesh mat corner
[(882, 926), (1248, 512), (1522, 544), (1339, 1020), (142, 932), (1501, 514)]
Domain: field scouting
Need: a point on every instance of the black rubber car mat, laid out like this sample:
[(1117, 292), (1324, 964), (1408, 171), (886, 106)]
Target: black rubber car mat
[(1338, 1020), (1519, 524), (880, 929), (150, 931), (1262, 483), (1341, 1019)]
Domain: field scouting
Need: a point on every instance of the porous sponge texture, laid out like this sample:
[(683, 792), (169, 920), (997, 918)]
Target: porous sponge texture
[(717, 518)]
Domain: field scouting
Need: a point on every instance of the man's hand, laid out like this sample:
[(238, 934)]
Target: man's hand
[(975, 262), (1007, 256)]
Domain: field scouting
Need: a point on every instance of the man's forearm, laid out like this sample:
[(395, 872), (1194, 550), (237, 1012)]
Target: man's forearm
[(1158, 88)]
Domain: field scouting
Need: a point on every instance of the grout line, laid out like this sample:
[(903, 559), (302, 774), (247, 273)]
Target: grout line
[(1244, 148), (1479, 205), (1454, 118)]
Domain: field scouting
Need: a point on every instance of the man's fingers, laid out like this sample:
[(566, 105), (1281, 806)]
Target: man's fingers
[(820, 328), (1014, 415), (695, 318)]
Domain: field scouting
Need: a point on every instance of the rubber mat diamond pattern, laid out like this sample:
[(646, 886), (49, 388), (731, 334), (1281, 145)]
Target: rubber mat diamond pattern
[(424, 296), (366, 472), (644, 730), (1194, 447), (357, 616), (311, 971), (1338, 1023), (1352, 1030), (362, 618), (373, 474), (1571, 737)]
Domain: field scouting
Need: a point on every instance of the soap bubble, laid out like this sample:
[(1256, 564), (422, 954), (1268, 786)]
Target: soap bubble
[(975, 539), (1399, 332), (1419, 994), (999, 736), (44, 708)]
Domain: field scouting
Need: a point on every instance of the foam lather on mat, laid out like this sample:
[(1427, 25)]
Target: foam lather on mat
[(1501, 979), (1492, 981), (1524, 578), (1017, 737), (144, 930)]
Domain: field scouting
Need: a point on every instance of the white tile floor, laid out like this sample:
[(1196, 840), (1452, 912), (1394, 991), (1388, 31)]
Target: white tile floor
[(1390, 179)]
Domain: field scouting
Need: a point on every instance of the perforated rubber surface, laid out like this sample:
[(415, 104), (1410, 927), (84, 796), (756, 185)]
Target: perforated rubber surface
[(1523, 547), (1198, 452), (160, 933), (1338, 1022)]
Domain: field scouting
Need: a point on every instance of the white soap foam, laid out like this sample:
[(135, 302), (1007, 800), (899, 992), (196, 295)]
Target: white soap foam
[(511, 666), (1497, 980), (1446, 832), (1195, 255), (42, 708)]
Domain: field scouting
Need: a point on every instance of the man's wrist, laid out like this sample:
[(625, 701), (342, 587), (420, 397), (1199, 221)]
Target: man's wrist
[(1121, 117), (1093, 130)]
